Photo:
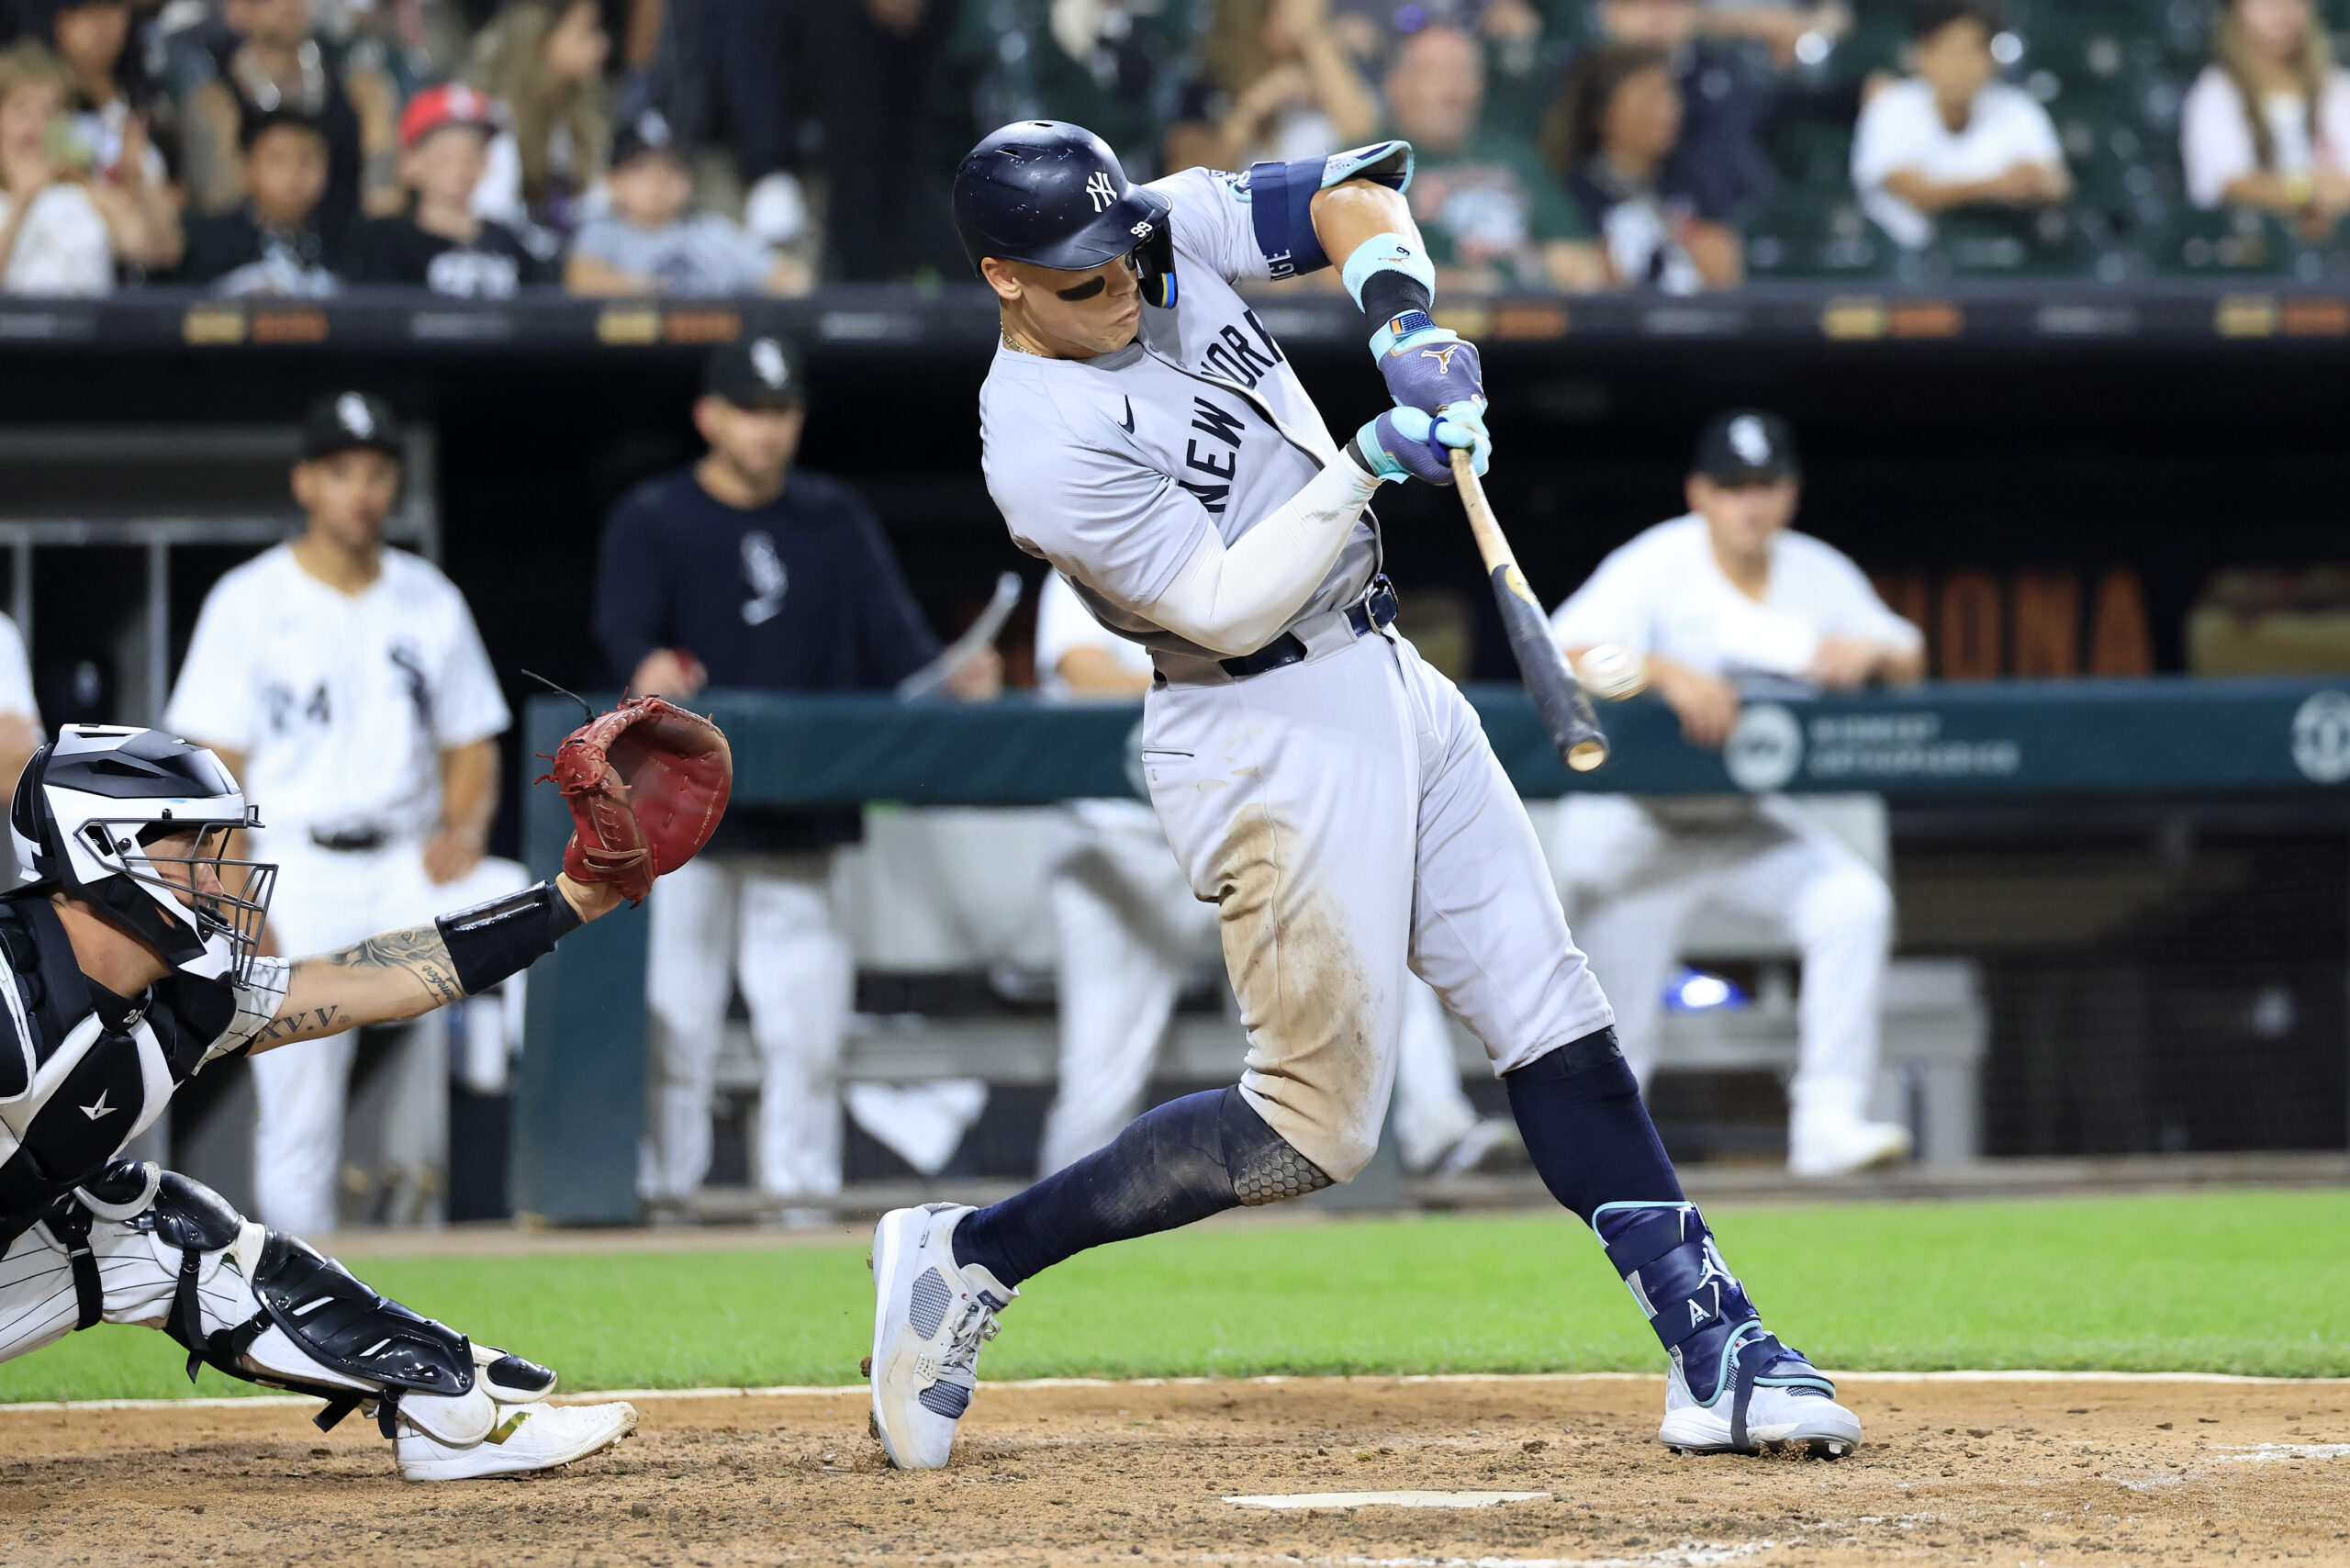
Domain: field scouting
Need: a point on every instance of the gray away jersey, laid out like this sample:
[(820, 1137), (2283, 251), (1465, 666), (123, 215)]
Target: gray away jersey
[(1114, 468)]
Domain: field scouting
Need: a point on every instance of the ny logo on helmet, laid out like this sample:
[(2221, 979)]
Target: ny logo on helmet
[(1442, 356), (1098, 187)]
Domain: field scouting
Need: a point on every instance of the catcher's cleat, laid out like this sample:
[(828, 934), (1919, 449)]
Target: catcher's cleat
[(930, 1318), (526, 1438), (1734, 1389)]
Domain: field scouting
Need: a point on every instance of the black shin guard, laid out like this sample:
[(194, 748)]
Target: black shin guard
[(1183, 1161), (1590, 1137)]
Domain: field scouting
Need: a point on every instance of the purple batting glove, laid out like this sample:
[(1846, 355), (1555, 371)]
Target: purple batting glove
[(1405, 443), (1426, 366)]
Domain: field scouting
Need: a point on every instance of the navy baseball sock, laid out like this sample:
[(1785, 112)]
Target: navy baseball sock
[(1183, 1161), (1590, 1137)]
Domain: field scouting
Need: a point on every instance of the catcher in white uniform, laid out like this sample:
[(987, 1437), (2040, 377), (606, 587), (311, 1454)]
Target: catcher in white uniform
[(345, 683), (1694, 605), (1130, 931), (1331, 794)]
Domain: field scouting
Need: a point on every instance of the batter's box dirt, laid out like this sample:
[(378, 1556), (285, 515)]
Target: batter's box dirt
[(1986, 1472)]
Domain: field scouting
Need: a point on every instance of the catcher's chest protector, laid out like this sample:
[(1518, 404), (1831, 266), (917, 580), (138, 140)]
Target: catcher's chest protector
[(100, 1080)]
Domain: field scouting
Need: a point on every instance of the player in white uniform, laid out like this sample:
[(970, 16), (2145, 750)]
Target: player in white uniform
[(20, 731), (1331, 794), (345, 683), (1724, 593), (1130, 930)]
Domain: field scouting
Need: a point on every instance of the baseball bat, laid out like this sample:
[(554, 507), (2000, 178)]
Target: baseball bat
[(1558, 696)]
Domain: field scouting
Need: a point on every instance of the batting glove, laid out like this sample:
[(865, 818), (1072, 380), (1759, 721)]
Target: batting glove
[(1405, 444), (1426, 366)]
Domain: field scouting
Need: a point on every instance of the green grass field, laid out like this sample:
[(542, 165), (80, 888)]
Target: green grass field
[(2237, 1282)]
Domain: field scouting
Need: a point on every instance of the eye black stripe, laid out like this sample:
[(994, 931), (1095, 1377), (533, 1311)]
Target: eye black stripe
[(1085, 290)]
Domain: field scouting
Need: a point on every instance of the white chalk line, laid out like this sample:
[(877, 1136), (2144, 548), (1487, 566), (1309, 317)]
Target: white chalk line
[(842, 1390)]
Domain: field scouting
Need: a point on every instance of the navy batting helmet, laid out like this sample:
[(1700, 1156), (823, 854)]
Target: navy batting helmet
[(1052, 195)]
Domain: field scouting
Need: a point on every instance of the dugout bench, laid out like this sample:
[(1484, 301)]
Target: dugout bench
[(578, 1087)]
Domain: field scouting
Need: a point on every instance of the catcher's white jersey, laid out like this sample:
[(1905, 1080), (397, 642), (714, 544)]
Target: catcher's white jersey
[(340, 703), (1115, 468)]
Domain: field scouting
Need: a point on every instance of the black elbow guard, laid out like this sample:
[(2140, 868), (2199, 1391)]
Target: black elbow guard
[(491, 941)]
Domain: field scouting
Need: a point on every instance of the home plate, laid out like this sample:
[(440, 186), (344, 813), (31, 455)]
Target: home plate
[(1390, 1499)]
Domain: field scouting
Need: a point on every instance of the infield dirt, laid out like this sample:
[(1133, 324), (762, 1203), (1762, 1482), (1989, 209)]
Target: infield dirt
[(1988, 1472)]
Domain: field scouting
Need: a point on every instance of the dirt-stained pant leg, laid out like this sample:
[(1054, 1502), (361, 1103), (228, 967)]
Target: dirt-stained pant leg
[(1487, 931), (1291, 799)]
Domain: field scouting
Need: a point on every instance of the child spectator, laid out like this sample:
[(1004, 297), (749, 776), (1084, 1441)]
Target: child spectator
[(731, 74), (274, 243), (1952, 135), (268, 58), (61, 232), (544, 62), (1280, 85), (1612, 134), (1491, 216), (2289, 154), (107, 110), (648, 243), (444, 150)]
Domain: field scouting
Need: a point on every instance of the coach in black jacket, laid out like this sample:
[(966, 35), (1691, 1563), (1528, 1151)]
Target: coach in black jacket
[(744, 571)]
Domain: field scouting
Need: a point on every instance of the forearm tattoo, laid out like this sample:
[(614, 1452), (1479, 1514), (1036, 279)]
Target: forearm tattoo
[(418, 951), (308, 1024)]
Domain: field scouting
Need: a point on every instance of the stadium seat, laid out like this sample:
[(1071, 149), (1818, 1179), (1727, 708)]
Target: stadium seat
[(2236, 241), (1815, 233), (1991, 243)]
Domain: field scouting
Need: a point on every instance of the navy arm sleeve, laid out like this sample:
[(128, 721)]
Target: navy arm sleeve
[(631, 613), (894, 639)]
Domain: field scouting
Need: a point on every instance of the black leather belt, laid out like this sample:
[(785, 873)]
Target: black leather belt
[(351, 841), (1375, 610)]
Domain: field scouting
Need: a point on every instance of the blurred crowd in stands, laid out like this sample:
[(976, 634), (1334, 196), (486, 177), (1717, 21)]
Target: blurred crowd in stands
[(734, 147)]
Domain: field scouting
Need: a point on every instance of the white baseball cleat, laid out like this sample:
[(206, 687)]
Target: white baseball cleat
[(526, 1438), (930, 1318), (1835, 1144), (1765, 1395)]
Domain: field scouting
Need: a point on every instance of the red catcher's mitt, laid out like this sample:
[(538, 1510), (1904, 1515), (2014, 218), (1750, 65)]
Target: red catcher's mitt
[(646, 784)]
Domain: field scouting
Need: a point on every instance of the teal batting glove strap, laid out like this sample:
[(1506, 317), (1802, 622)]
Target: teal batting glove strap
[(1405, 443)]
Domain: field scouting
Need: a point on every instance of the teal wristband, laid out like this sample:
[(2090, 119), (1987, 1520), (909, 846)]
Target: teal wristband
[(1386, 253)]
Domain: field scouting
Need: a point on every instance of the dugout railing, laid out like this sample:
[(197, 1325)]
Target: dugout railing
[(2111, 749)]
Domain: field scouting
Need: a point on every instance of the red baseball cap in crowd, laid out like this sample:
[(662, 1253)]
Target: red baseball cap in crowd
[(452, 102)]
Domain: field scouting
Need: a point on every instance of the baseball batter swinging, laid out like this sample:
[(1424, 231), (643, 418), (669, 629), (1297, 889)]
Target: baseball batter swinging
[(1333, 796)]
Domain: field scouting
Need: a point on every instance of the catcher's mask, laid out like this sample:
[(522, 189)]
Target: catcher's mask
[(94, 814)]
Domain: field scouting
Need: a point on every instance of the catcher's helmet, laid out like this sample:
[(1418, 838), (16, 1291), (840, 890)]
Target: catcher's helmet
[(1052, 194), (87, 809)]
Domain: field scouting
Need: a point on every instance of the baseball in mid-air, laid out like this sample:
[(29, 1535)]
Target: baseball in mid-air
[(1611, 673)]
